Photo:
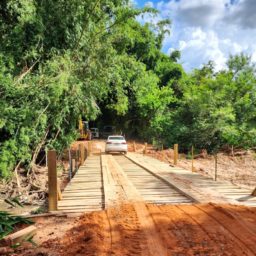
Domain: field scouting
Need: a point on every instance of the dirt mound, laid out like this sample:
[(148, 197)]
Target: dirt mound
[(139, 229)]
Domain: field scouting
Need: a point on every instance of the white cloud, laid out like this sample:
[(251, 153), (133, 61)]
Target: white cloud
[(206, 30), (193, 12), (149, 4), (200, 47)]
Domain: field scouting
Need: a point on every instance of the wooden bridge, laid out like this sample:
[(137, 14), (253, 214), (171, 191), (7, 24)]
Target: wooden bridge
[(105, 180)]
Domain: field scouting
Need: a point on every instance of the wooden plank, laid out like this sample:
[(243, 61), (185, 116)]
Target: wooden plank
[(20, 235), (80, 193), (110, 194)]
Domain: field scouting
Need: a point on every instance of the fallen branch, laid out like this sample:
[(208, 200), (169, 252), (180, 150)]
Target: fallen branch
[(26, 72)]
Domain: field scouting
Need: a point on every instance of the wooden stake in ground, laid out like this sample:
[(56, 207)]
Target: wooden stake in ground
[(52, 181), (192, 157), (176, 154), (59, 190), (70, 164), (134, 146), (77, 159), (73, 166), (81, 148), (216, 166), (145, 149)]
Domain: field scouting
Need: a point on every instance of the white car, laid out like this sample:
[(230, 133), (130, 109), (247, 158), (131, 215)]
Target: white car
[(116, 143)]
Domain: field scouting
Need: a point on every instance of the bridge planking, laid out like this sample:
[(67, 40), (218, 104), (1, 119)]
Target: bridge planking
[(87, 191), (203, 188), (84, 193)]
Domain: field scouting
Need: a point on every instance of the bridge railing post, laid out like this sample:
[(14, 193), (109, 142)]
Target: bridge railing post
[(145, 148), (176, 154), (134, 146), (70, 170), (82, 151), (52, 181), (192, 158)]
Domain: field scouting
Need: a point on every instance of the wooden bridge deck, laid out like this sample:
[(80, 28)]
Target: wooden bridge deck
[(201, 187), (85, 191)]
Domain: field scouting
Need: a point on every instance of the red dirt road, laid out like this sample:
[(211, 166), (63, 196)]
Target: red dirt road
[(151, 230)]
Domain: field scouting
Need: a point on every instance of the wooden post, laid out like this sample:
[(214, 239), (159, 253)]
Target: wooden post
[(77, 159), (134, 146), (176, 154), (145, 149), (192, 157), (59, 191), (216, 166), (52, 181), (81, 148), (73, 166), (254, 192), (70, 164)]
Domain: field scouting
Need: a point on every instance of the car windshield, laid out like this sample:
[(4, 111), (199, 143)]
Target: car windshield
[(116, 138)]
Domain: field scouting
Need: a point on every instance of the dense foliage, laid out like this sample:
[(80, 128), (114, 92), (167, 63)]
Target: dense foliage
[(62, 60), (217, 108)]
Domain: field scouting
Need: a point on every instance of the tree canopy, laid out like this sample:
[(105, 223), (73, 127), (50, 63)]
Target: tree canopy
[(62, 60)]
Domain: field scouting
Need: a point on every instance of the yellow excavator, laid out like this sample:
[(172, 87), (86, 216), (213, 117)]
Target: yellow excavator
[(84, 131)]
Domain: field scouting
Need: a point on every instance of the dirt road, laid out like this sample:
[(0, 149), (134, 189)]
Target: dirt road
[(140, 229), (130, 227)]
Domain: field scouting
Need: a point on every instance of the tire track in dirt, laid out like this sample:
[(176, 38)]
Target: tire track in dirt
[(162, 223), (155, 243), (152, 244), (245, 215), (127, 234), (238, 231), (223, 240), (192, 240)]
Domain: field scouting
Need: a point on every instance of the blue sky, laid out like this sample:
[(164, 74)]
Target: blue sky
[(206, 30)]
